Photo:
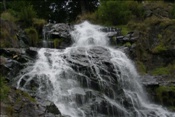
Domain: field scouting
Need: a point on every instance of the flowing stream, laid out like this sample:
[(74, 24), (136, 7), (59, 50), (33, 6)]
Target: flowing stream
[(89, 79)]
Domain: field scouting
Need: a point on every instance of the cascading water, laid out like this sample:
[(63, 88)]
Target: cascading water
[(89, 79)]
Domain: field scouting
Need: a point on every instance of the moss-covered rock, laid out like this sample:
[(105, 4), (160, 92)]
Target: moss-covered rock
[(57, 42), (155, 46), (21, 104), (165, 95)]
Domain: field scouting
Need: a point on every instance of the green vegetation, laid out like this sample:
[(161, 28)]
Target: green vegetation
[(113, 12), (4, 34), (124, 29), (57, 42), (166, 96), (33, 35), (21, 94), (8, 16), (161, 71), (141, 67), (127, 44), (159, 48), (39, 23), (27, 14), (4, 89), (168, 70)]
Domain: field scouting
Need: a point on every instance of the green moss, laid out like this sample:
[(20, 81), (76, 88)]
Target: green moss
[(159, 36), (4, 89), (159, 48), (141, 67), (166, 96), (128, 44), (22, 94), (57, 42), (28, 97), (124, 28), (161, 71), (33, 35), (171, 69)]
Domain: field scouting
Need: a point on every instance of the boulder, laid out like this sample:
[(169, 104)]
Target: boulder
[(59, 32)]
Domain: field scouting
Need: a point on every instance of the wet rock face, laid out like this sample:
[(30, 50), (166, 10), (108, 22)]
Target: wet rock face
[(97, 58), (13, 60), (98, 73)]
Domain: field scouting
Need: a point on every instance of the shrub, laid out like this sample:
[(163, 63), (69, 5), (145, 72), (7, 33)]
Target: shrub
[(137, 9), (27, 14), (124, 29), (33, 36), (39, 23), (113, 12), (8, 16)]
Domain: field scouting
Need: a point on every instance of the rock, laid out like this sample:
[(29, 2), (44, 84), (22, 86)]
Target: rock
[(59, 32), (13, 60), (32, 52), (21, 104), (23, 39), (10, 68), (157, 10), (52, 109), (160, 89)]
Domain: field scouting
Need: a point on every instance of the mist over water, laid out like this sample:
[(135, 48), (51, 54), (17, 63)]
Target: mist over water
[(89, 79)]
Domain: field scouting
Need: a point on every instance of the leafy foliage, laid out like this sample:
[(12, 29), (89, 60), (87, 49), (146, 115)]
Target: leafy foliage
[(8, 16), (114, 12), (26, 14)]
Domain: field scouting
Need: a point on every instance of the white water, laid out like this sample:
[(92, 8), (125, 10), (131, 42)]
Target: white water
[(73, 91)]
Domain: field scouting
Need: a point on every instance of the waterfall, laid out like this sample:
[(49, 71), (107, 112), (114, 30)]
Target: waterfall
[(46, 36), (89, 79)]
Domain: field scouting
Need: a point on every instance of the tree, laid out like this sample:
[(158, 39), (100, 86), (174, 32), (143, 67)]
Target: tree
[(114, 12), (63, 10)]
